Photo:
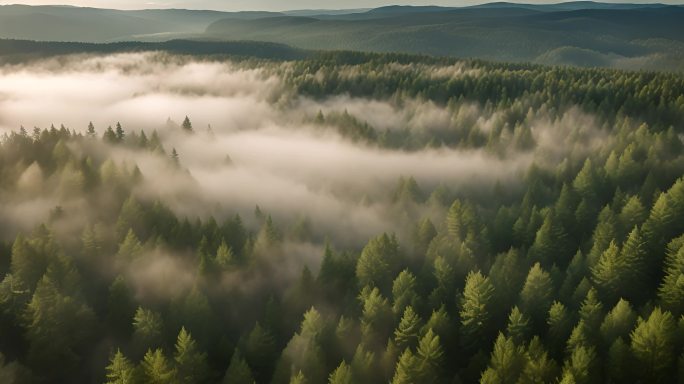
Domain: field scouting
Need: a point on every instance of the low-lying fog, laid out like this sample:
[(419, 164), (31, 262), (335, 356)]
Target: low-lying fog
[(261, 147)]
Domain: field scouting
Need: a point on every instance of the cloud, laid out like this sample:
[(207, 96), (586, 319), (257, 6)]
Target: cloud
[(279, 160)]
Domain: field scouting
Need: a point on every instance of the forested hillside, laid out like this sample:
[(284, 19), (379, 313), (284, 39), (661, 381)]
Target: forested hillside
[(579, 33), (342, 218)]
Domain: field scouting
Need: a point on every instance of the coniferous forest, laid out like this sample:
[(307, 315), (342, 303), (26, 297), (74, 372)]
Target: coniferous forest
[(340, 218)]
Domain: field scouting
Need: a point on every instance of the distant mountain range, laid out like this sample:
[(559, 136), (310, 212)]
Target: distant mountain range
[(635, 36)]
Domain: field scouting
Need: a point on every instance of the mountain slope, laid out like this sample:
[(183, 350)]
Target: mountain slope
[(515, 33)]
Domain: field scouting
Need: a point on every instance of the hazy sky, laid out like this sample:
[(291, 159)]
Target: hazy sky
[(232, 5)]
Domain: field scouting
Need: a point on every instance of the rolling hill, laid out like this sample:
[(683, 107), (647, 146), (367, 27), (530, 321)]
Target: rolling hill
[(631, 36)]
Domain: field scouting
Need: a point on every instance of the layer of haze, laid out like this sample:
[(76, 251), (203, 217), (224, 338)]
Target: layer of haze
[(261, 149), (277, 5)]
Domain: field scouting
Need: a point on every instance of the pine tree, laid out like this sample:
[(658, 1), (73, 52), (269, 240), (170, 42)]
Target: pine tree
[(376, 316), (633, 214), (407, 371), (518, 328), (191, 364), (342, 375), (260, 352), (91, 130), (446, 281), (618, 322), (157, 369), (109, 136), (591, 312), (406, 334), (175, 158), (552, 243), (440, 323), (429, 358), (224, 256), (536, 296), (605, 232), (581, 367), (671, 291), (653, 343), (120, 134), (560, 325), (120, 370), (424, 233), (619, 362), (363, 365), (147, 329), (187, 125), (506, 364), (120, 308), (476, 309), (299, 378), (404, 292), (539, 367), (238, 371), (611, 273), (57, 327), (378, 262)]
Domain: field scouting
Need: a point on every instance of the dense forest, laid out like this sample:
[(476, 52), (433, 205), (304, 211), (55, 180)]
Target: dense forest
[(345, 218)]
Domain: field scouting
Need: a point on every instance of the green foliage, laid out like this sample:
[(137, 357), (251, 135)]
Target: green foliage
[(406, 334), (191, 363), (58, 328), (407, 370), (147, 329), (507, 362), (120, 370), (653, 345), (536, 296), (157, 369), (404, 292), (518, 328), (238, 371), (671, 291), (476, 309), (341, 375), (586, 239), (378, 262)]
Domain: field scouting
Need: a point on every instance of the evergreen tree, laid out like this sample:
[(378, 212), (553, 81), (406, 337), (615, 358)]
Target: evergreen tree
[(429, 358), (581, 367), (653, 343), (378, 262), (157, 369), (91, 130), (238, 371), (120, 134), (404, 292), (506, 364), (407, 371), (518, 328), (406, 334), (57, 329), (191, 364), (187, 125), (147, 329), (618, 322), (476, 309), (376, 316), (671, 291), (536, 296), (120, 370), (539, 367), (260, 352), (342, 375)]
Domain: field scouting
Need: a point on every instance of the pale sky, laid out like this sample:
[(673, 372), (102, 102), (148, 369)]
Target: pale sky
[(276, 5)]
